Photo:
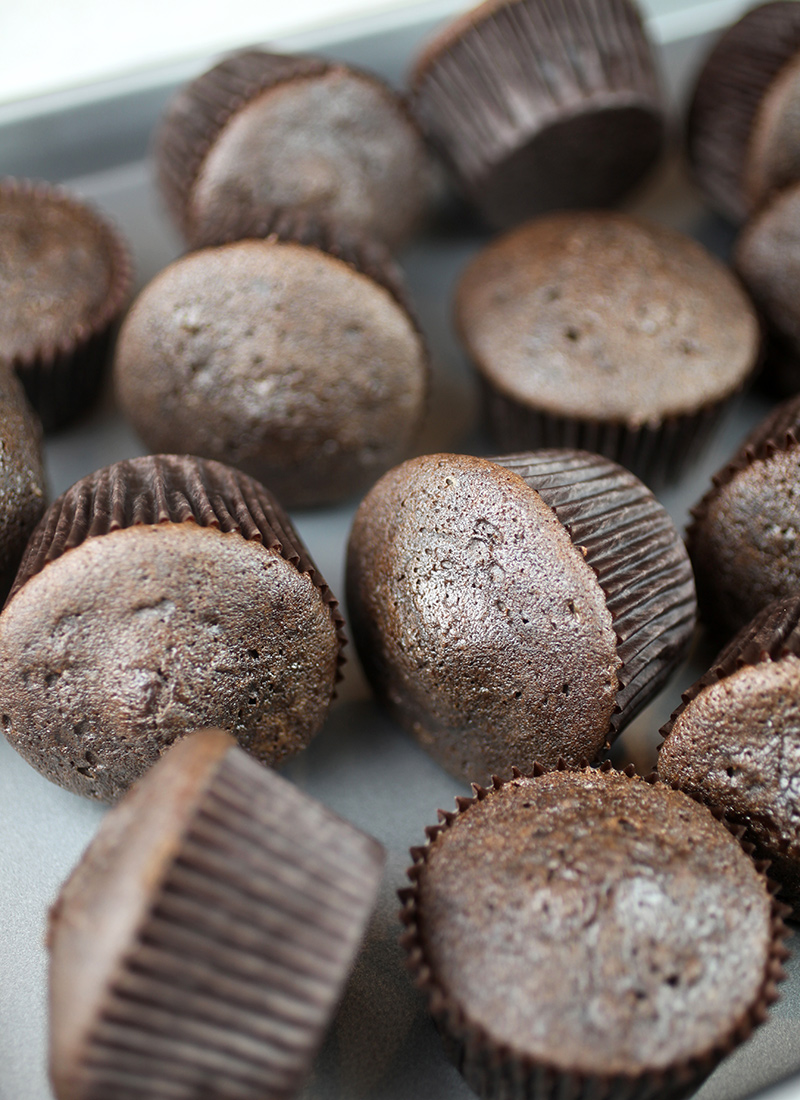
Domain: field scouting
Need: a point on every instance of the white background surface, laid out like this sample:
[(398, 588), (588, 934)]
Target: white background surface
[(48, 45)]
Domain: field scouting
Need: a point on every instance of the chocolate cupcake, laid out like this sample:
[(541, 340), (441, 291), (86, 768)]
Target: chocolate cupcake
[(606, 332), (157, 596), (734, 741), (744, 121), (203, 941), (263, 131), (516, 610), (23, 490), (767, 258), (538, 105), (589, 933), (64, 278), (279, 358), (743, 539)]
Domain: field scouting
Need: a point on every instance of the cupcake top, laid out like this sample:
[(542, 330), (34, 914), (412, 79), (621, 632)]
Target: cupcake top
[(607, 317), (735, 739), (278, 358), (58, 266), (767, 258), (206, 934), (591, 923), (266, 131), (156, 596), (23, 490), (744, 111), (743, 537), (539, 105), (495, 609)]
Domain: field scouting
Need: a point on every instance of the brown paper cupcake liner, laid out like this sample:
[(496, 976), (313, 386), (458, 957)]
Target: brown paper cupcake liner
[(508, 69), (170, 489), (200, 111), (658, 454), (364, 254), (630, 542), (61, 380), (780, 431), (729, 91), (497, 1071), (242, 953), (203, 108), (772, 635)]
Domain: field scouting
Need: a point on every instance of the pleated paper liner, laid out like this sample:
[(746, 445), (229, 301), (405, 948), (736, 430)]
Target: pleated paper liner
[(771, 636), (657, 453), (217, 946), (725, 105), (201, 110), (629, 540), (160, 489), (498, 1071), (64, 377), (539, 105), (778, 432), (361, 252)]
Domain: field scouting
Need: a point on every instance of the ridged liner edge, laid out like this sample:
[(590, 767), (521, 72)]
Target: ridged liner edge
[(243, 953), (495, 76), (161, 489), (63, 378), (779, 431), (656, 453), (726, 99), (496, 1071), (627, 537)]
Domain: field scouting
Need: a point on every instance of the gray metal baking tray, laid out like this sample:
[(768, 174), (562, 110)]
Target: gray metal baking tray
[(382, 1045)]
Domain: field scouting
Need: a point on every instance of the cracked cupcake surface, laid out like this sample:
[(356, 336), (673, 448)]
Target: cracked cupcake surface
[(119, 645), (497, 622), (590, 929)]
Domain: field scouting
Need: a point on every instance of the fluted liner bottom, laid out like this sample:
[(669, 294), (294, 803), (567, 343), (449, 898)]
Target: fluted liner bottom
[(244, 952), (632, 545)]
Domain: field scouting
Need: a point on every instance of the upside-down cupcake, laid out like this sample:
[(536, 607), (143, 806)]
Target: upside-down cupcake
[(263, 132), (518, 609), (538, 105), (157, 596), (64, 278), (589, 933), (743, 539), (734, 741), (606, 332), (23, 490), (202, 943), (298, 363), (744, 119)]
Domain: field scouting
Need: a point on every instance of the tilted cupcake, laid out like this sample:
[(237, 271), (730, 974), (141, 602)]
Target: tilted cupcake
[(64, 278), (606, 332), (516, 610), (767, 258), (156, 596), (538, 105), (743, 537), (23, 489), (589, 933), (202, 943), (263, 131), (298, 363), (743, 127), (734, 741)]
